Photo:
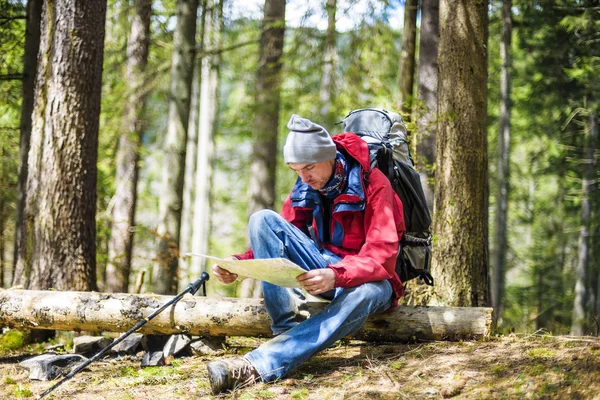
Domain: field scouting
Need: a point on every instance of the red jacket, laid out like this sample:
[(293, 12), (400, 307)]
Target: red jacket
[(367, 221)]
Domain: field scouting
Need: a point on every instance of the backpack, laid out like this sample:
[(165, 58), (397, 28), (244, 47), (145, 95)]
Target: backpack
[(385, 134)]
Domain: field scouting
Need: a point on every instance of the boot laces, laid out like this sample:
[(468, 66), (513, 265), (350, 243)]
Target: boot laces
[(244, 371)]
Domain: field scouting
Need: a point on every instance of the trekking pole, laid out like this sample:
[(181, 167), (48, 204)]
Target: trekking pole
[(191, 288)]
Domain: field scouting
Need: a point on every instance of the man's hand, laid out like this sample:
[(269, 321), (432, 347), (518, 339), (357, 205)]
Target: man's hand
[(317, 281), (223, 275)]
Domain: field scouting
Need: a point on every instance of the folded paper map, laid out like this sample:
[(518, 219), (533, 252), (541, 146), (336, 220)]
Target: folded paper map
[(278, 271)]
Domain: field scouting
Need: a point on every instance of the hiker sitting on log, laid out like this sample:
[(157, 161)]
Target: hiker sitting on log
[(342, 222)]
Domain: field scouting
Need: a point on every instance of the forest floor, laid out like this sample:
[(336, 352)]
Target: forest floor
[(516, 366)]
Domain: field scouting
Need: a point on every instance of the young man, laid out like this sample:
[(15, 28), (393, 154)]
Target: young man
[(342, 223)]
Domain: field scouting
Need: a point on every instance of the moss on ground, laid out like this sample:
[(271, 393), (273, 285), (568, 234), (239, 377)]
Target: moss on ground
[(11, 340)]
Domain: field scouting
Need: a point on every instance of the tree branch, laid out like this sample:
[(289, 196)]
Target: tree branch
[(13, 18), (11, 77)]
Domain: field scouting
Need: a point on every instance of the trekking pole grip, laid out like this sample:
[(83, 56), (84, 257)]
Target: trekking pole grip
[(194, 286)]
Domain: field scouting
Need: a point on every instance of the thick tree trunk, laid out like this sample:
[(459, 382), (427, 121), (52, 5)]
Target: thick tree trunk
[(261, 188), (329, 61), (499, 253), (460, 257), (578, 324), (266, 121), (170, 202), (128, 154), (219, 316), (32, 45), (407, 57), (209, 112), (427, 83), (57, 245)]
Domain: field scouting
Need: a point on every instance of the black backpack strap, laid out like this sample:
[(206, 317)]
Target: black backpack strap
[(425, 274)]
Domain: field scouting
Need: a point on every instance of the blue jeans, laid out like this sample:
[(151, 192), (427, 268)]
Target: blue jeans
[(297, 340)]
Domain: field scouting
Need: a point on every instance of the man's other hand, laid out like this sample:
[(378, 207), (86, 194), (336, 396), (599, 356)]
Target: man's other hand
[(223, 275), (317, 281)]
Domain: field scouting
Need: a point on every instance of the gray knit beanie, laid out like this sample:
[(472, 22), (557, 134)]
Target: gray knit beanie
[(307, 142)]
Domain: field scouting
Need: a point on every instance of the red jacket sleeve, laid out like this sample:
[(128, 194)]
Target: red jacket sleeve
[(384, 226)]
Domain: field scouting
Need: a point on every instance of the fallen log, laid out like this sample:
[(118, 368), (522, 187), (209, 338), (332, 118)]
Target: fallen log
[(208, 316)]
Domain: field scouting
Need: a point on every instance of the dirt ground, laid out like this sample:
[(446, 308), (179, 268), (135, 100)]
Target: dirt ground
[(532, 367)]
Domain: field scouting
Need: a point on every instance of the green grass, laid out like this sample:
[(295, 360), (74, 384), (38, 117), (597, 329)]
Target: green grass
[(499, 369), (397, 365), (8, 380), (177, 362), (541, 352), (128, 371), (156, 372), (12, 340), (22, 391), (535, 370), (301, 394)]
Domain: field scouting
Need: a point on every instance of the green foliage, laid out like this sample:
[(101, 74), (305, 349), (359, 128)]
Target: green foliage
[(551, 57)]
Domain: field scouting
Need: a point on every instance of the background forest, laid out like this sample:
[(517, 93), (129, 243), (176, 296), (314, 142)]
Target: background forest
[(542, 137)]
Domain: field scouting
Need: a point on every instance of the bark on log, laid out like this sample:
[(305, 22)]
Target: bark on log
[(118, 312)]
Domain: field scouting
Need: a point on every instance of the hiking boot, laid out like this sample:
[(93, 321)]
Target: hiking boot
[(229, 374)]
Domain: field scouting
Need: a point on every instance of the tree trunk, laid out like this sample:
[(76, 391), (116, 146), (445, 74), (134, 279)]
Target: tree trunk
[(209, 112), (128, 154), (597, 304), (191, 155), (427, 83), (460, 261), (499, 253), (32, 45), (407, 57), (578, 325), (329, 61), (219, 316), (170, 202), (2, 217), (57, 245), (264, 151)]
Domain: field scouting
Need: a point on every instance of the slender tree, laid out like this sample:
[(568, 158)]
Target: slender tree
[(329, 60), (578, 324), (2, 211), (128, 154), (170, 201), (32, 45), (427, 82), (187, 212), (57, 245), (460, 262), (406, 72), (500, 232), (262, 171), (209, 112), (596, 254)]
